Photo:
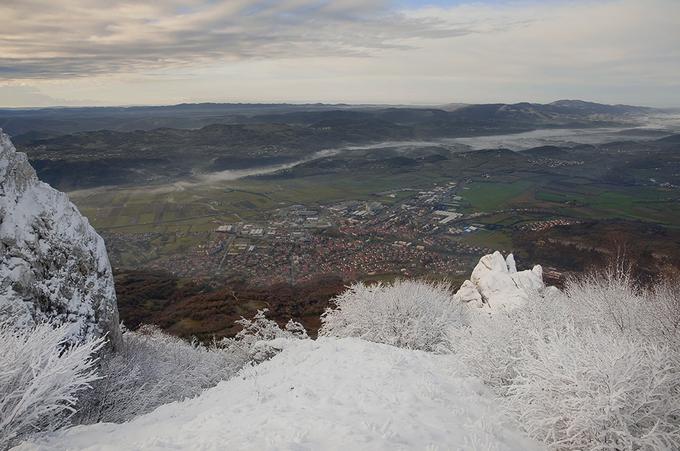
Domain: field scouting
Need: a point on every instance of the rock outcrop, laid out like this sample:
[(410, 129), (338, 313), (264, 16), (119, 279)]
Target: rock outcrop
[(53, 265), (496, 284)]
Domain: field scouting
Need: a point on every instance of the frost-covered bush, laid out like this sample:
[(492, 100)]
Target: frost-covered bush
[(40, 378), (585, 389), (489, 347), (611, 300), (595, 367), (616, 305), (407, 314), (665, 297), (256, 341), (152, 368), (262, 329)]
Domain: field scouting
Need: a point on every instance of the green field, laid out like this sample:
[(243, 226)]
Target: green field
[(490, 196), (492, 239), (587, 201), (201, 207), (634, 203)]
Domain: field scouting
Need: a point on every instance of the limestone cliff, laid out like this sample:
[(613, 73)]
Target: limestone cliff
[(53, 265)]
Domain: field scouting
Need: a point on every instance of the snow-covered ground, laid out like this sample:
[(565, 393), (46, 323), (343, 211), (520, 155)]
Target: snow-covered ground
[(328, 394)]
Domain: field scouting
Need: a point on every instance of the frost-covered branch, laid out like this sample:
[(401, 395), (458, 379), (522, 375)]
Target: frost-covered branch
[(40, 378)]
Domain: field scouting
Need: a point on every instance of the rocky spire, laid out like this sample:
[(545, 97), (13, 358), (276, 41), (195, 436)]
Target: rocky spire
[(495, 284)]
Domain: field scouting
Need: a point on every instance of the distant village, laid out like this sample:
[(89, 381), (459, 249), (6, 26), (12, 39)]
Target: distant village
[(405, 232)]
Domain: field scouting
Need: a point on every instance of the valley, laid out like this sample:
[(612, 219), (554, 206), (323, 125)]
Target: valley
[(217, 218)]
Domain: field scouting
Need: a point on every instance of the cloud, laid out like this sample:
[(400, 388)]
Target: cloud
[(71, 38), (126, 52), (17, 95)]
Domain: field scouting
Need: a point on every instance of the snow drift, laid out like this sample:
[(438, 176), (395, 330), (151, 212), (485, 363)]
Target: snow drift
[(53, 265), (330, 394)]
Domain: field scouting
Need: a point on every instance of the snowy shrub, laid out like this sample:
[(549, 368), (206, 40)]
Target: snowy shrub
[(40, 377), (665, 298), (489, 347), (612, 301), (255, 342), (595, 367), (262, 329), (616, 305), (584, 389), (152, 368), (407, 314)]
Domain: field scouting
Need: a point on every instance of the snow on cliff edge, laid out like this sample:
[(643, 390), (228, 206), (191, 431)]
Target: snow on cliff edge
[(328, 394), (53, 265)]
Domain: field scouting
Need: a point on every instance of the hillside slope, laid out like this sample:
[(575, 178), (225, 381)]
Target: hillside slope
[(325, 394)]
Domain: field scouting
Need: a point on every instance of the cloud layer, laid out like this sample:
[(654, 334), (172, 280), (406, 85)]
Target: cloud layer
[(127, 52), (71, 38)]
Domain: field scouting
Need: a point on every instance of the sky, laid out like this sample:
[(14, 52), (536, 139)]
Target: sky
[(111, 52)]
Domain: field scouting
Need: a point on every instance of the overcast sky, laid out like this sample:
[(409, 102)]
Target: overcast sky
[(109, 52)]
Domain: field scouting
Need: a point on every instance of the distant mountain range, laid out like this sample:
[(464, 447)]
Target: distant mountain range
[(69, 146), (447, 120)]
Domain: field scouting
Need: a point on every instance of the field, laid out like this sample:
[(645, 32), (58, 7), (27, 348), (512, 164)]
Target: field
[(587, 201), (490, 196), (198, 208), (606, 202)]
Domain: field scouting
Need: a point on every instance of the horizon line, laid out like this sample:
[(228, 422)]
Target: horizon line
[(319, 103)]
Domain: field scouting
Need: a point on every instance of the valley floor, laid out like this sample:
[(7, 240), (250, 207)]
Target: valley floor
[(330, 394)]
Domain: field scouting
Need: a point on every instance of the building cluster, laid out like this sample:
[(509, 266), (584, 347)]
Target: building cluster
[(539, 226), (416, 235), (555, 163)]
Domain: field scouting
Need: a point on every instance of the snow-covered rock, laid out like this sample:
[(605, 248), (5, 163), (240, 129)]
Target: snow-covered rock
[(325, 394), (496, 284), (510, 261), (52, 262), (469, 294)]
